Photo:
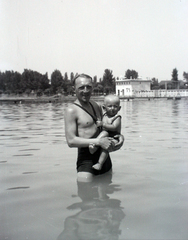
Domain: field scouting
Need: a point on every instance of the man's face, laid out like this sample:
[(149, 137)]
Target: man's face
[(83, 89)]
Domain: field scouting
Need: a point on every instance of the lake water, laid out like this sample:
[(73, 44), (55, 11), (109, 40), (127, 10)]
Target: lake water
[(146, 197)]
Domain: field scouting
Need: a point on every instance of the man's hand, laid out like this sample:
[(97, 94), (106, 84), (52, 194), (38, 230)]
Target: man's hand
[(106, 143), (120, 139)]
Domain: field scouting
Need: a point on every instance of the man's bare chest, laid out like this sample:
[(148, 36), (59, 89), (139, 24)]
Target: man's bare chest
[(84, 120), (86, 116)]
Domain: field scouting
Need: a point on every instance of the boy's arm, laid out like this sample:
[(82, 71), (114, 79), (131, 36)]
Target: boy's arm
[(115, 126)]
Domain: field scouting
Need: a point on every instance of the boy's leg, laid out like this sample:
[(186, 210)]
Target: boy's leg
[(93, 148), (102, 159)]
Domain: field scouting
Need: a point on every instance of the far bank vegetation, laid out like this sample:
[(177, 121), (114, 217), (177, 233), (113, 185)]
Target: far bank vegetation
[(34, 83)]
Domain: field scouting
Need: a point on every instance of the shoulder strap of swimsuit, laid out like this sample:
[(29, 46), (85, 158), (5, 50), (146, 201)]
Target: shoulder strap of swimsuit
[(103, 114), (93, 109), (118, 116), (94, 117)]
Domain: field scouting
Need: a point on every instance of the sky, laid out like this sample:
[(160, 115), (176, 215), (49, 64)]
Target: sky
[(89, 36)]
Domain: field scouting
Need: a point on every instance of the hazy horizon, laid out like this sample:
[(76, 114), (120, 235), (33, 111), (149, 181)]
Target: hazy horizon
[(91, 36)]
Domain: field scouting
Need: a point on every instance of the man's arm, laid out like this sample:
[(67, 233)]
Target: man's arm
[(120, 142)]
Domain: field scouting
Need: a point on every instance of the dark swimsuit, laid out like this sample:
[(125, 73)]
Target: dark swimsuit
[(85, 159)]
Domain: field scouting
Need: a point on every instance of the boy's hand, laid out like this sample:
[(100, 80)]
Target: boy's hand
[(99, 123)]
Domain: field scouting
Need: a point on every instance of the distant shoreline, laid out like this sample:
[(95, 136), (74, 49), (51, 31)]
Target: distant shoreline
[(33, 99), (61, 98), (43, 99)]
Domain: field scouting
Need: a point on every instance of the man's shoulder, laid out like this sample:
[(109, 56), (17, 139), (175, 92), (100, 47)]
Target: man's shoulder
[(95, 104), (71, 109)]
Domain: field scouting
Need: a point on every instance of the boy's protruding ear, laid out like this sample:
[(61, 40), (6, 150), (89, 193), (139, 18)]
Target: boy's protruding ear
[(119, 107), (103, 107)]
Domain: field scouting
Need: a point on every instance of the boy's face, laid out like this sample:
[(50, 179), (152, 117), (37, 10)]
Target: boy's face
[(112, 107)]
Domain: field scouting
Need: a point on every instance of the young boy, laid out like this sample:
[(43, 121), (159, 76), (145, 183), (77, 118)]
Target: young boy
[(111, 124)]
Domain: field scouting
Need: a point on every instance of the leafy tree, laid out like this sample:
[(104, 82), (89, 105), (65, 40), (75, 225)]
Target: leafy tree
[(131, 74), (175, 74), (69, 89), (108, 90), (14, 82), (34, 81), (175, 77), (71, 76), (17, 82), (95, 79), (65, 77), (44, 82), (8, 78), (185, 75), (10, 81), (2, 82), (154, 84), (56, 80), (134, 74), (28, 91), (128, 74), (39, 92), (95, 83), (98, 88), (108, 80), (29, 80), (47, 91), (25, 80)]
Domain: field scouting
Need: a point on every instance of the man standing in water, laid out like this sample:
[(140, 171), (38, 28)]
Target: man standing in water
[(82, 129)]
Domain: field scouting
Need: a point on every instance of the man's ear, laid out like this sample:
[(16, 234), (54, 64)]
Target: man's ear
[(119, 108)]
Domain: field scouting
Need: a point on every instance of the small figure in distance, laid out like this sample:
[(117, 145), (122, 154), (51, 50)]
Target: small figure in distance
[(111, 125)]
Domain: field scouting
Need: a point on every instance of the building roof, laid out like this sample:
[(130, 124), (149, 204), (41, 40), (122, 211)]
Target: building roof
[(132, 80)]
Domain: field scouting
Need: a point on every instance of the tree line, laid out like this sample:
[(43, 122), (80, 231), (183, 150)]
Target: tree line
[(13, 82), (173, 84), (33, 82)]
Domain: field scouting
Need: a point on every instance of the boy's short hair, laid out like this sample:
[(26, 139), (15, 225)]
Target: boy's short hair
[(113, 96), (81, 75)]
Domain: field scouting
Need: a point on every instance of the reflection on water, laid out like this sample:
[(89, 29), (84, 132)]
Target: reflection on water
[(99, 216), (31, 123), (149, 183)]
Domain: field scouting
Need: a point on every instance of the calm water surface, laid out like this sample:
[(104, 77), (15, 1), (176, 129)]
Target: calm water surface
[(146, 197)]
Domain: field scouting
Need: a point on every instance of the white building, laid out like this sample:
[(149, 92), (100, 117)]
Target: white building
[(131, 87)]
